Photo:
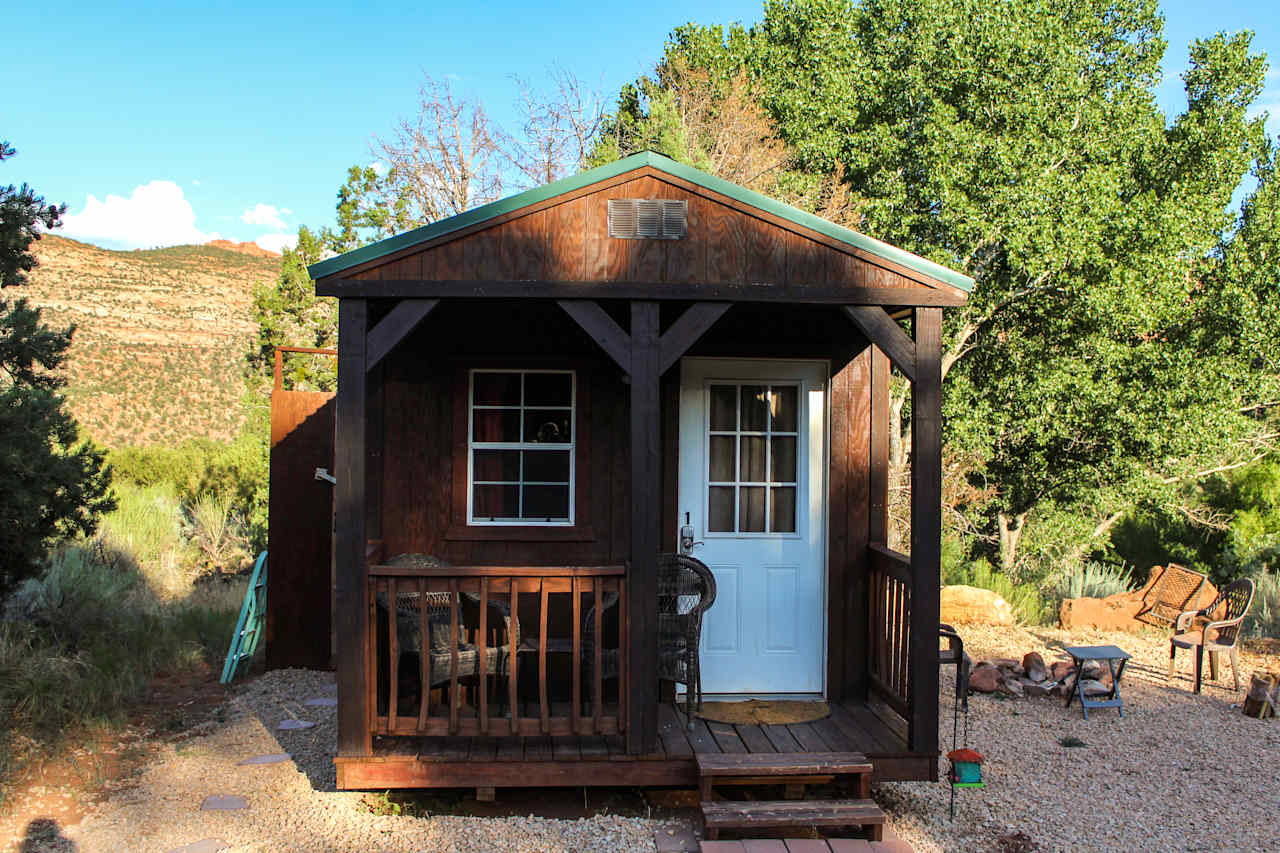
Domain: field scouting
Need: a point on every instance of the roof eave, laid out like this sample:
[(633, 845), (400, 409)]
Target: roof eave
[(332, 267)]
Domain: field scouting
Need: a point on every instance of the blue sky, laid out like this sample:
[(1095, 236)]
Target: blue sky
[(159, 124)]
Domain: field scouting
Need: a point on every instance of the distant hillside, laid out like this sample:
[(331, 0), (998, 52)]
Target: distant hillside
[(160, 338)]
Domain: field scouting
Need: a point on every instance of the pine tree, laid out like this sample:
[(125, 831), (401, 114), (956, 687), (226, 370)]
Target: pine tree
[(51, 483)]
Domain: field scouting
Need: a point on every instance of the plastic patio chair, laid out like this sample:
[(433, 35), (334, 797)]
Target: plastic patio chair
[(1221, 635)]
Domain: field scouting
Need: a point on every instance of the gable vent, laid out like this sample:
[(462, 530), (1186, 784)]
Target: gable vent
[(648, 218)]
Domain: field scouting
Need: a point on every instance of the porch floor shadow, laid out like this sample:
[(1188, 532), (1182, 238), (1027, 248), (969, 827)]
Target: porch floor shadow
[(590, 760)]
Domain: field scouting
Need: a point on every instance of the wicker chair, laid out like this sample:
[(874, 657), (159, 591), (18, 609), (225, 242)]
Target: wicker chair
[(407, 609), (1175, 589), (1216, 635), (686, 588)]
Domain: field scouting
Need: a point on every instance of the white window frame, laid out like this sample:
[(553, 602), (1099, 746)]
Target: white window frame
[(473, 446)]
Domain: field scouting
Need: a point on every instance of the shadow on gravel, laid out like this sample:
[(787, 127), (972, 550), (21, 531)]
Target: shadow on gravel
[(553, 803), (43, 835)]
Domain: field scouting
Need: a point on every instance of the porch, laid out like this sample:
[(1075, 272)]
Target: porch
[(868, 728)]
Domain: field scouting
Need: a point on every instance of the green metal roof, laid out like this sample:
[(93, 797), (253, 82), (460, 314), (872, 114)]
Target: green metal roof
[(373, 251)]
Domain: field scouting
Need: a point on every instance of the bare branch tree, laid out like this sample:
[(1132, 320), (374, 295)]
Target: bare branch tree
[(443, 160), (558, 127)]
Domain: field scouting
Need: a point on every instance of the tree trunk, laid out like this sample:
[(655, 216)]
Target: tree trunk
[(1011, 527), (899, 498), (897, 437)]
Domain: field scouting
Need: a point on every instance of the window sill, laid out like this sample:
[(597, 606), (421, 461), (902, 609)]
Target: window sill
[(516, 533)]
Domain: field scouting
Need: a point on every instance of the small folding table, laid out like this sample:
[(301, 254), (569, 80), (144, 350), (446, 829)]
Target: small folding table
[(1111, 654)]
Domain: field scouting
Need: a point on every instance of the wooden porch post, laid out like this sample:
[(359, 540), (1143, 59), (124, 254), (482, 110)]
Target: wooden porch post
[(351, 618), (646, 504), (926, 529)]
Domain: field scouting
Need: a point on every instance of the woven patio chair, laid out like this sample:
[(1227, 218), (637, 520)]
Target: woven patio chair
[(1215, 635), (408, 606), (686, 588), (1169, 597)]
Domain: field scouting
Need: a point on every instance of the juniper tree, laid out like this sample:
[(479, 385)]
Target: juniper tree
[(51, 483)]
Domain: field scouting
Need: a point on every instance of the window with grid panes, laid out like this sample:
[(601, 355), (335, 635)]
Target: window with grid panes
[(521, 447), (753, 439)]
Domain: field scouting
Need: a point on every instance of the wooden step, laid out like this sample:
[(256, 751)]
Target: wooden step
[(732, 814), (782, 764)]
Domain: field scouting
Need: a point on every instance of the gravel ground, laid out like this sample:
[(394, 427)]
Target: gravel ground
[(292, 806), (1178, 772)]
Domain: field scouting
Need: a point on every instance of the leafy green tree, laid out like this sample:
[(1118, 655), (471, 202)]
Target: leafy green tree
[(289, 313), (1020, 142), (51, 483)]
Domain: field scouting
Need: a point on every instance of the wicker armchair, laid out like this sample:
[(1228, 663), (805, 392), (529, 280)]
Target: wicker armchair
[(686, 588), (408, 608), (1220, 635)]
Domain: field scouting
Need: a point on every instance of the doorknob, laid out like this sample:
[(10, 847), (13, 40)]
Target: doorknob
[(687, 543)]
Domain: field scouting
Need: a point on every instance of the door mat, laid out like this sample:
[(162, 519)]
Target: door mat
[(767, 712)]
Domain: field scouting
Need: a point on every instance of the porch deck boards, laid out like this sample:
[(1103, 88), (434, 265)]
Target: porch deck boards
[(596, 760)]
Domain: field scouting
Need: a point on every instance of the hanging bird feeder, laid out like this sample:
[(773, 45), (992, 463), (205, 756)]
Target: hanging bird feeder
[(966, 768)]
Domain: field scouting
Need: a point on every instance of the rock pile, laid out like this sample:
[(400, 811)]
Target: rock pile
[(1033, 677)]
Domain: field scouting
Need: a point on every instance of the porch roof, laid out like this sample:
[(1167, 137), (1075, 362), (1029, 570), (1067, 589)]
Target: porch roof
[(333, 266)]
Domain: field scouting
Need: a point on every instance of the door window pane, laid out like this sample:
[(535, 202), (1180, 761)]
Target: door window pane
[(724, 408), (720, 514), (751, 511), (782, 459), (783, 406), (723, 459), (755, 408), (765, 445), (754, 467), (782, 509)]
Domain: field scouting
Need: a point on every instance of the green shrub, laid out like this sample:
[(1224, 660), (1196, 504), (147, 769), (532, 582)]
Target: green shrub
[(216, 531), (81, 641), (1090, 580), (147, 525), (235, 471), (1264, 616)]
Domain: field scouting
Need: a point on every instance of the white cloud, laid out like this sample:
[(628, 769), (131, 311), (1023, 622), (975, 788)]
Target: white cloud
[(276, 242), (379, 168), (194, 182), (154, 214), (266, 214)]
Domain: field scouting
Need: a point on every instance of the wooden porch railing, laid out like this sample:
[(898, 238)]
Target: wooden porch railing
[(890, 626), (446, 645)]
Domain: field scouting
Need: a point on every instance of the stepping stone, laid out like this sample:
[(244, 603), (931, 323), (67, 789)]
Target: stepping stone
[(321, 702), (205, 845), (292, 725), (272, 758), (675, 839), (223, 803)]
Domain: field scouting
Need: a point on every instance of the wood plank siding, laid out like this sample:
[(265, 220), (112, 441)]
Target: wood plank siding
[(565, 239)]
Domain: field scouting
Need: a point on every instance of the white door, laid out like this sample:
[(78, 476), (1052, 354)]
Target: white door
[(752, 486)]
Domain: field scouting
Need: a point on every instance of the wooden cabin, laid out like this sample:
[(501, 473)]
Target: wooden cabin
[(536, 396)]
